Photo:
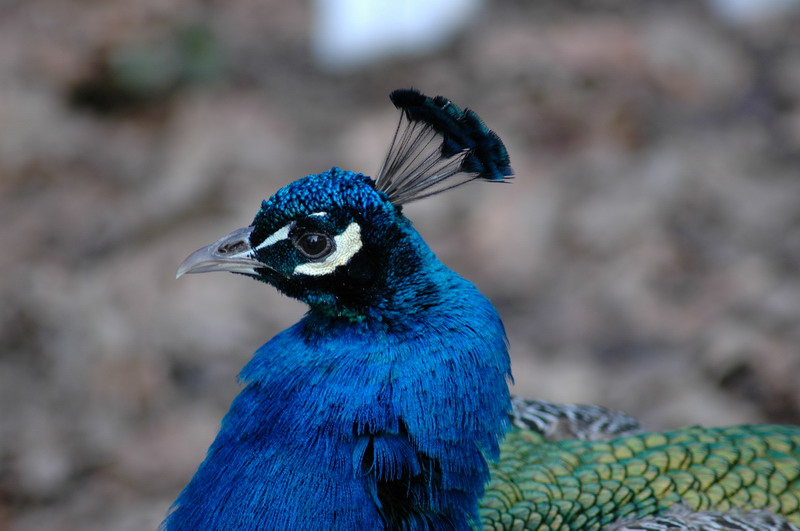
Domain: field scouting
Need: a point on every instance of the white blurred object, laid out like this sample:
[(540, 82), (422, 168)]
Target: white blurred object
[(350, 33), (752, 10)]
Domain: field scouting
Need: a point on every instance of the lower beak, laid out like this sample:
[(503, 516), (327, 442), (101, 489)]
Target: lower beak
[(230, 253)]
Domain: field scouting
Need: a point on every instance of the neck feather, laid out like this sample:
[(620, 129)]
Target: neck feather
[(363, 424)]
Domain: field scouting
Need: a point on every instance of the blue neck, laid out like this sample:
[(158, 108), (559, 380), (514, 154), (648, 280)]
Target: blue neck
[(364, 424)]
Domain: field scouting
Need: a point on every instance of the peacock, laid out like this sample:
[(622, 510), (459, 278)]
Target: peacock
[(387, 405)]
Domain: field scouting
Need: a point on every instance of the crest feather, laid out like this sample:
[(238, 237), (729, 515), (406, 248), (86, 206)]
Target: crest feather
[(436, 147)]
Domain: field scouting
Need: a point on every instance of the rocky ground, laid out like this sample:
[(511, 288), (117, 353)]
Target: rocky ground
[(646, 256)]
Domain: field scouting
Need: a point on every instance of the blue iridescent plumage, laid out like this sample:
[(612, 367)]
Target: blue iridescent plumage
[(364, 415), (386, 406)]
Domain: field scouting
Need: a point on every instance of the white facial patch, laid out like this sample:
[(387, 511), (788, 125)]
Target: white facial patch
[(347, 244), (282, 233), (275, 237)]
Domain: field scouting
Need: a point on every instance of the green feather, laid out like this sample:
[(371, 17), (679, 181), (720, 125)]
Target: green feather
[(579, 484)]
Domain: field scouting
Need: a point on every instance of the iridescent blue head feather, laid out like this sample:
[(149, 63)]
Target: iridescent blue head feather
[(436, 147), (380, 408), (360, 237)]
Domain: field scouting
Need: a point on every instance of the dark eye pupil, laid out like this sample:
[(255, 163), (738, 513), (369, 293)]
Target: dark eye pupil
[(314, 245)]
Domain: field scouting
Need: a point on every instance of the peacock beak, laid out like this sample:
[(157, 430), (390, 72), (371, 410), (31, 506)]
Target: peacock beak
[(232, 252)]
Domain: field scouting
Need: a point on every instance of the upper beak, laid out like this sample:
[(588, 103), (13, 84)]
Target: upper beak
[(230, 253)]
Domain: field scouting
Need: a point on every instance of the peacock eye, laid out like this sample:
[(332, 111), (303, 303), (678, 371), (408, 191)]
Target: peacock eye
[(314, 245)]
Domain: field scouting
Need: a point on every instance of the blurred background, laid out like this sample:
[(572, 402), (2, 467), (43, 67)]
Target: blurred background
[(646, 256)]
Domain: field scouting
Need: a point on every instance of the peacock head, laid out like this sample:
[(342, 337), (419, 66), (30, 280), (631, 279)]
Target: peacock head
[(324, 239), (338, 240)]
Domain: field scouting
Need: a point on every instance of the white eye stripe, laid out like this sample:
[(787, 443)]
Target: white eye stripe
[(282, 233), (347, 245), (275, 237)]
